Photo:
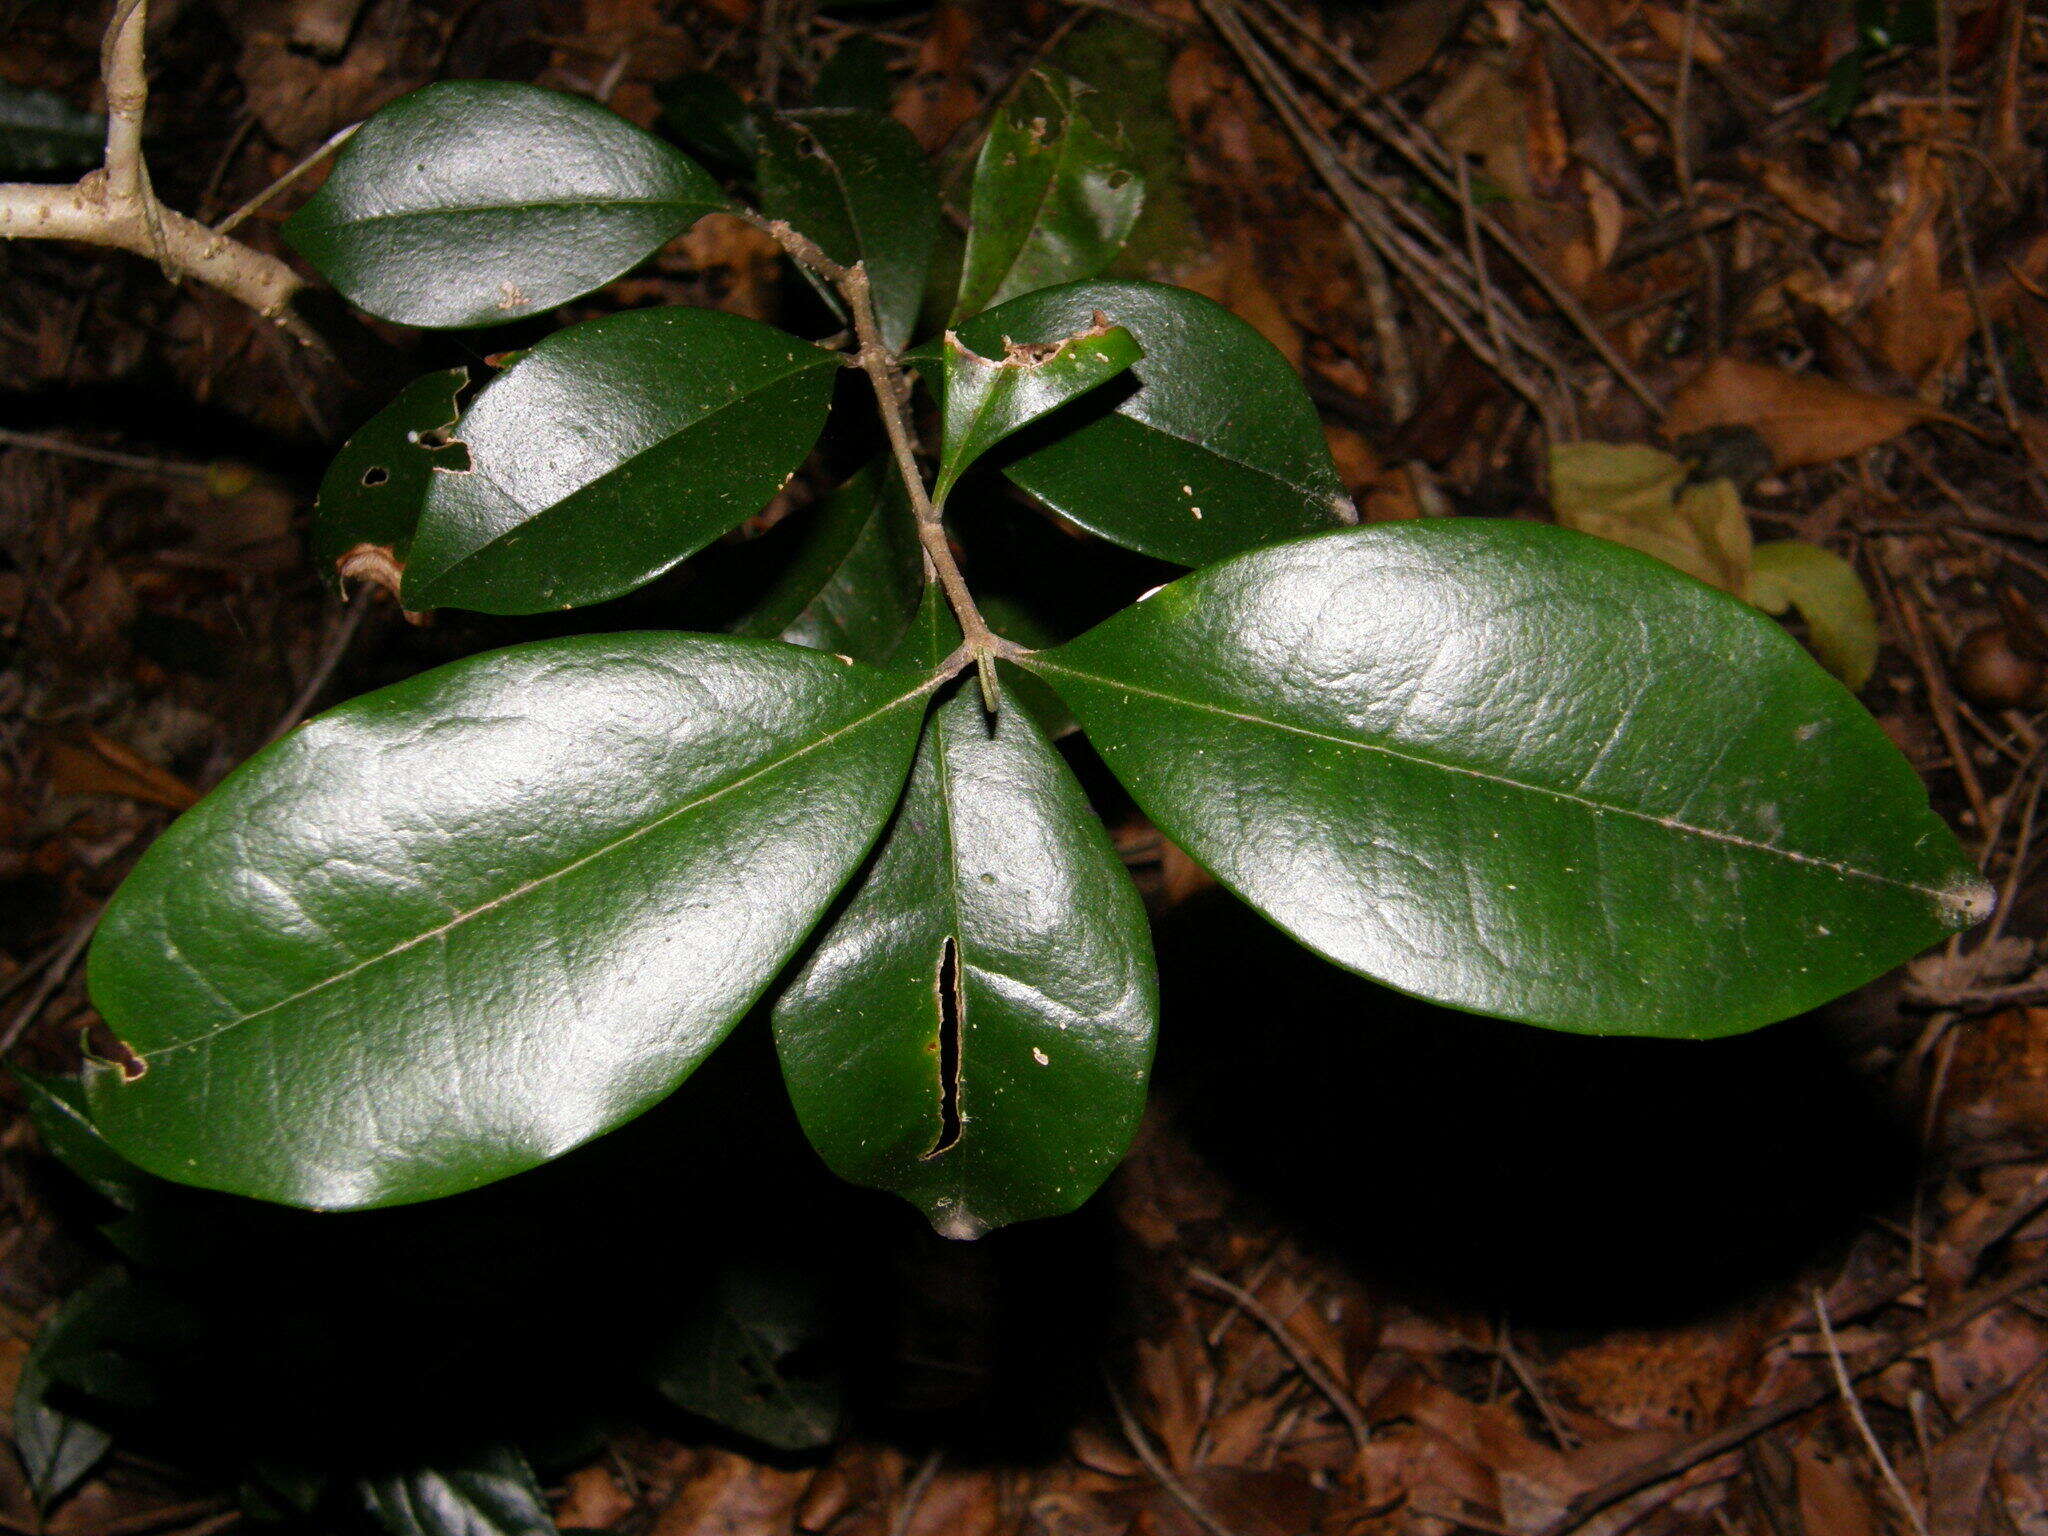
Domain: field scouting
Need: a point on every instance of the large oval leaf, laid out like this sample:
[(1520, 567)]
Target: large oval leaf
[(612, 450), (1206, 448), (974, 1028), (857, 183), (473, 202), (458, 926), (1054, 197), (1523, 771)]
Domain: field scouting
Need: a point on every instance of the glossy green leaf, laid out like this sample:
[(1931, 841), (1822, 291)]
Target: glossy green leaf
[(853, 585), (857, 183), (1790, 573), (611, 451), (974, 1028), (1207, 447), (458, 926), (743, 1356), (1054, 196), (989, 398), (472, 202), (371, 496), (57, 1448), (1522, 771), (490, 1493)]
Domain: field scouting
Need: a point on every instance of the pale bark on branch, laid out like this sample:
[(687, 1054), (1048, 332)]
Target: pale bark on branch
[(116, 206)]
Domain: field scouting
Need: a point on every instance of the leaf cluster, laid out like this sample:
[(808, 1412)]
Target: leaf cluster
[(454, 928)]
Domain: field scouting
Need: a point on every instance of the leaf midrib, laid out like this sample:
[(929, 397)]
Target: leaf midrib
[(526, 887), (1941, 897), (449, 210)]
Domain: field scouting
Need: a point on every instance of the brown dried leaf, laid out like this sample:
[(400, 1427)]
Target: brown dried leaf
[(99, 765), (1830, 1501), (1804, 420)]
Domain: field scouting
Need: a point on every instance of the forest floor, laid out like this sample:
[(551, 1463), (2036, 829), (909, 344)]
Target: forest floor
[(1371, 1268)]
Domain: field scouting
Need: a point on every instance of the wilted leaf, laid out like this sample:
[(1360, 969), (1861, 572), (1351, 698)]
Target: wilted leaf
[(1788, 573), (1631, 494), (1806, 420)]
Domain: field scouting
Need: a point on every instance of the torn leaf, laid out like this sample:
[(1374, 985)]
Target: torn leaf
[(989, 398)]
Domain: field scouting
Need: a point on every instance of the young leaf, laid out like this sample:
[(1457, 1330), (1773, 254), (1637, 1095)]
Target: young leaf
[(1788, 573), (458, 926), (57, 1448), (974, 1028), (857, 183), (853, 586), (490, 1493), (1518, 770), (371, 496), (472, 202), (612, 450), (1206, 448), (1054, 198), (736, 1358), (987, 398)]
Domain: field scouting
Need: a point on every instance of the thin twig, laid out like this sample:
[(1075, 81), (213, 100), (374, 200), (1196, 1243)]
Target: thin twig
[(334, 142), (1855, 1406), (1156, 1465), (36, 442), (330, 658), (54, 976), (885, 374), (1602, 55), (1346, 1406), (913, 1495)]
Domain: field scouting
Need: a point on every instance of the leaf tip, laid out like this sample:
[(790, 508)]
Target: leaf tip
[(1968, 901), (953, 1221)]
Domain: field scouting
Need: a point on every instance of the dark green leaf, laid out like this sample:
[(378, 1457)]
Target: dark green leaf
[(1054, 197), (491, 1493), (1518, 770), (612, 450), (974, 1029), (989, 398), (472, 202), (57, 1448), (57, 1106), (855, 77), (857, 183), (1207, 447), (854, 583), (42, 134), (458, 926), (705, 115), (745, 1357), (371, 495)]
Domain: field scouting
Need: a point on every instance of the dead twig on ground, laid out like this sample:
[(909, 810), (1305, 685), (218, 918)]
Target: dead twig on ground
[(1346, 1406)]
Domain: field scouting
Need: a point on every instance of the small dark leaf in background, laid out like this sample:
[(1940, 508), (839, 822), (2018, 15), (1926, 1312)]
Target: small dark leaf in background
[(491, 1492), (853, 584), (1055, 196), (857, 184), (44, 135), (705, 115), (856, 77), (748, 1356)]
